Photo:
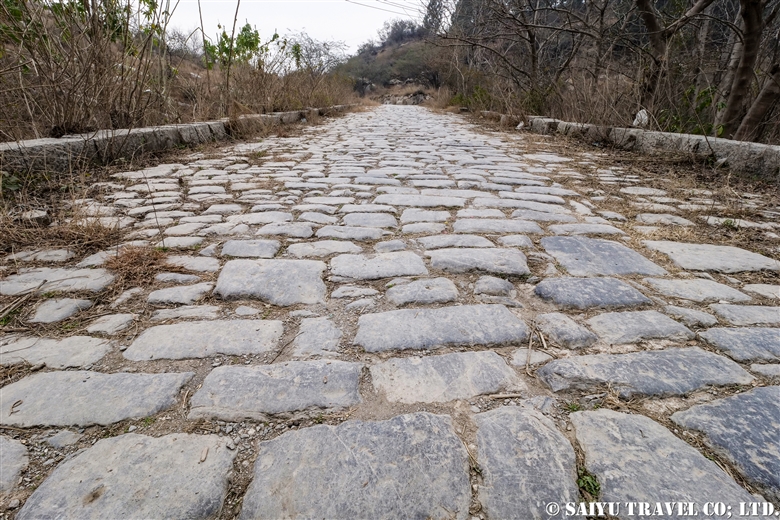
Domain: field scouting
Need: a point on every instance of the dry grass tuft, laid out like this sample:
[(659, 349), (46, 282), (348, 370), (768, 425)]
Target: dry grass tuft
[(137, 265), (83, 238)]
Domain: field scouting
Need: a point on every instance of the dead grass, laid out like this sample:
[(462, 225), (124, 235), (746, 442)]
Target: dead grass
[(134, 266), (83, 238)]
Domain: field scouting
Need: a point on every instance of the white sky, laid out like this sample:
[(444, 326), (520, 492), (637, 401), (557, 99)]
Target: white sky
[(343, 20)]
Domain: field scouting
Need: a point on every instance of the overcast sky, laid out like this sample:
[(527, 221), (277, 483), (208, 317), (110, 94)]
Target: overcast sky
[(350, 21)]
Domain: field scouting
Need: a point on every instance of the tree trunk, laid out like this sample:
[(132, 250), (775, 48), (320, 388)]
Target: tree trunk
[(768, 96)]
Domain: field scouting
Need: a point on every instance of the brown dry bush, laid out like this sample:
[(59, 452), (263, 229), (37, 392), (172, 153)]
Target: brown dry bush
[(137, 265)]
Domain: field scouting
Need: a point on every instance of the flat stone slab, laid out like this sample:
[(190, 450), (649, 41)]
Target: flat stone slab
[(289, 229), (747, 314), (85, 398), (623, 451), (420, 201), (588, 293), (278, 282), (585, 229), (58, 309), (182, 294), (707, 257), (768, 370), (411, 466), (582, 256), (439, 379), (745, 428), (441, 241), (351, 233), (381, 265), (675, 371), (371, 220), (175, 476), (57, 280), (617, 328), (526, 464), (15, 460), (251, 248), (665, 219), (316, 337), (691, 317), (72, 352), (493, 286), (763, 289), (564, 331), (200, 339), (476, 225), (697, 290), (497, 260), (234, 393), (746, 344), (433, 328), (322, 248), (422, 215), (435, 290)]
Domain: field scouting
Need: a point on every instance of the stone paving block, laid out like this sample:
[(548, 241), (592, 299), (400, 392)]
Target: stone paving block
[(516, 241), (348, 291), (674, 371), (635, 459), (198, 264), (263, 217), (494, 287), (707, 257), (322, 248), (763, 289), (435, 290), (350, 233), (420, 201), (767, 370), (204, 312), (746, 344), (588, 293), (696, 290), (15, 460), (691, 317), (439, 379), (58, 309), (251, 248), (564, 331), (390, 246), (423, 228), (183, 294), (381, 265), (234, 393), (618, 328), (500, 261), (370, 220), (442, 241), (178, 476), (421, 215), (278, 282), (63, 438), (476, 225), (585, 229), (57, 280), (84, 398), (747, 314), (200, 339), (582, 256), (288, 229), (411, 466), (72, 352), (316, 337), (111, 324), (745, 428), (434, 328), (526, 464), (664, 219), (543, 216)]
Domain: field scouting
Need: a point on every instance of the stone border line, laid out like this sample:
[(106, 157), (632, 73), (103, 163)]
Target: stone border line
[(64, 153)]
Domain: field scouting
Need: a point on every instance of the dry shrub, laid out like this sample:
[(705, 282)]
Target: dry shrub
[(83, 238), (137, 265)]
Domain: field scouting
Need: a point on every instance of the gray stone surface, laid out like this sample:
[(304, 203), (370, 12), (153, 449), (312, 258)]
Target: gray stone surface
[(493, 286), (85, 398), (422, 215), (420, 201), (278, 282), (288, 229), (585, 229), (111, 324), (763, 289), (439, 379), (182, 294), (707, 257), (674, 371), (564, 331), (72, 352), (350, 232), (746, 344), (526, 464), (691, 317), (582, 256), (176, 476), (435, 290), (588, 293), (371, 220), (198, 264), (520, 358), (420, 228), (63, 438), (697, 290), (768, 370), (623, 451), (316, 337), (58, 309), (390, 246), (745, 428), (433, 328), (411, 466), (204, 312), (322, 248), (233, 393), (14, 461), (199, 339), (515, 241), (57, 280), (440, 241), (618, 328), (475, 225), (747, 314), (176, 278), (498, 260), (664, 219), (251, 248), (349, 291), (381, 265)]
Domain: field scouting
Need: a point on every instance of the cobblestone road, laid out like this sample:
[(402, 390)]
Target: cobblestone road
[(345, 332)]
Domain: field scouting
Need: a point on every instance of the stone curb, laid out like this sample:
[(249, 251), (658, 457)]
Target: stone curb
[(65, 153)]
